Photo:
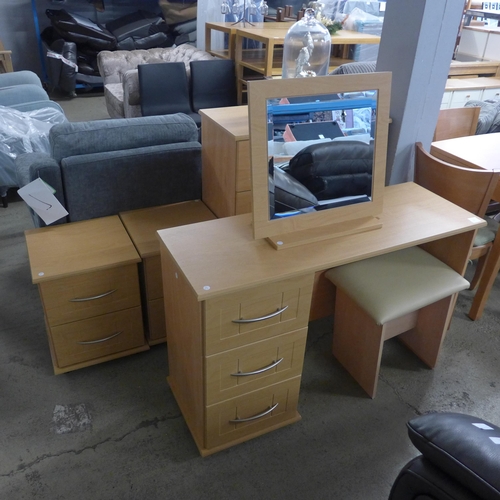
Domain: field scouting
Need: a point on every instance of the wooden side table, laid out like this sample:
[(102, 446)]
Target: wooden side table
[(142, 226), (88, 280)]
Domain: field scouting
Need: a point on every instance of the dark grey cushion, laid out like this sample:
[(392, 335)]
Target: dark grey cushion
[(81, 138)]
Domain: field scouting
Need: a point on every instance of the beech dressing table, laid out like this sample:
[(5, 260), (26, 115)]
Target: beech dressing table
[(217, 273)]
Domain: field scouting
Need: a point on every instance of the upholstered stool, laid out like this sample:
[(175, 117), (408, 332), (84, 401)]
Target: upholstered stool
[(406, 293)]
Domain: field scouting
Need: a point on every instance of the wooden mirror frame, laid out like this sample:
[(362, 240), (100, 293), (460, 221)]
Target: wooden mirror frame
[(308, 227)]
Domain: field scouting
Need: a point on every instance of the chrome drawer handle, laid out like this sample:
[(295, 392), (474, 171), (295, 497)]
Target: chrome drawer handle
[(98, 341), (262, 318), (85, 299), (262, 370), (255, 417)]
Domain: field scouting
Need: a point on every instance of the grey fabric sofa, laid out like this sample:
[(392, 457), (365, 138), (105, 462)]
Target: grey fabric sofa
[(118, 70), (100, 168)]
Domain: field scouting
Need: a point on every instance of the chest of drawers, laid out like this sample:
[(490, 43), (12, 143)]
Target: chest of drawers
[(235, 361), (88, 281), (226, 160)]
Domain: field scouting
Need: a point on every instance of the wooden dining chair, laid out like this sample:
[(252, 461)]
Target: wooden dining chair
[(433, 174), (456, 122), (407, 293)]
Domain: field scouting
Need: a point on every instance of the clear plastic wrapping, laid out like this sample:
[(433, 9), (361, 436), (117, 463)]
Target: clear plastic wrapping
[(23, 132)]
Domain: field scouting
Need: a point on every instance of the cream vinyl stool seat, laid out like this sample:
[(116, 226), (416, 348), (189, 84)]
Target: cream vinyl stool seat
[(405, 293)]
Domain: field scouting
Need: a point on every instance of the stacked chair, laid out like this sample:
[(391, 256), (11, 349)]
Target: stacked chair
[(165, 88)]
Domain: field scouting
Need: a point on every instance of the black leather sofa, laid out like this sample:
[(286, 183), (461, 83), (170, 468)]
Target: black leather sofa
[(460, 460)]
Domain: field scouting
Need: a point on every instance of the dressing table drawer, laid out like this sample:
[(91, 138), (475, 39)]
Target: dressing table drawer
[(238, 371), (91, 294), (257, 314), (253, 412)]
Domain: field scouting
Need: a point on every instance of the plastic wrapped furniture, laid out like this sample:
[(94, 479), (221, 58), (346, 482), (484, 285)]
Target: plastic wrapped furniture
[(121, 81), (26, 113), (460, 459), (104, 167)]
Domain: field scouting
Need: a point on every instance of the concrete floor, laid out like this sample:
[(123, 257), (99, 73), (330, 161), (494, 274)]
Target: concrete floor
[(114, 431)]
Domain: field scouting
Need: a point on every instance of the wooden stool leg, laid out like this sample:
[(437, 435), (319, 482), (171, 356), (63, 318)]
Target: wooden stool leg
[(357, 342), (426, 338)]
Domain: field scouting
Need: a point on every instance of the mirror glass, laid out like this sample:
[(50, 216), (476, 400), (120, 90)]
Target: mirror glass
[(320, 150)]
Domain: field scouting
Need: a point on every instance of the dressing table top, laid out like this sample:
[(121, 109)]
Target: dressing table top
[(221, 256)]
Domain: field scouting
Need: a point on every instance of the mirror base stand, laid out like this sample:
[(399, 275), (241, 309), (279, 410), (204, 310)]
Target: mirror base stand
[(297, 238)]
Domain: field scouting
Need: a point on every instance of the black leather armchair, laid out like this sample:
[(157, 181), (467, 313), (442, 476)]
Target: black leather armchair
[(460, 460)]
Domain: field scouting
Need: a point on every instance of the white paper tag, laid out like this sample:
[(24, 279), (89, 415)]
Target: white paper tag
[(485, 427), (38, 196)]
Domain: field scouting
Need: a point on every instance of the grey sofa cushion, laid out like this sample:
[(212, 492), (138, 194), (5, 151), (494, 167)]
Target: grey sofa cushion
[(141, 177), (81, 138)]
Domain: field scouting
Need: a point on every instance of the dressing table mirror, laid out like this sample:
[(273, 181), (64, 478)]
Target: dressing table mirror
[(318, 155)]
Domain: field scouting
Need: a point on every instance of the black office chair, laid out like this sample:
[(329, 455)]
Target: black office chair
[(164, 90), (213, 84)]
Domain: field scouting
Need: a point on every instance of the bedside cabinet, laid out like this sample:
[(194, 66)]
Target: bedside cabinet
[(88, 280), (142, 226)]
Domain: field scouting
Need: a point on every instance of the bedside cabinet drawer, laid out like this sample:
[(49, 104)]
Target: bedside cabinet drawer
[(237, 371), (253, 413), (93, 338), (256, 314), (91, 294)]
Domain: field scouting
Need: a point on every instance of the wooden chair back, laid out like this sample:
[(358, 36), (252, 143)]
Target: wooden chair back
[(468, 188), (5, 60), (456, 122)]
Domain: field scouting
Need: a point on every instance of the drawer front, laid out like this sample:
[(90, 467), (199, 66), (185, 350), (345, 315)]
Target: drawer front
[(224, 329), (152, 275), (156, 320), (243, 202), (460, 97), (237, 371), (96, 337), (91, 294), (243, 176), (221, 427), (490, 94)]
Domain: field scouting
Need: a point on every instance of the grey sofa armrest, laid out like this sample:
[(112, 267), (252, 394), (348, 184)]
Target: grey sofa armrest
[(20, 94), (19, 78)]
